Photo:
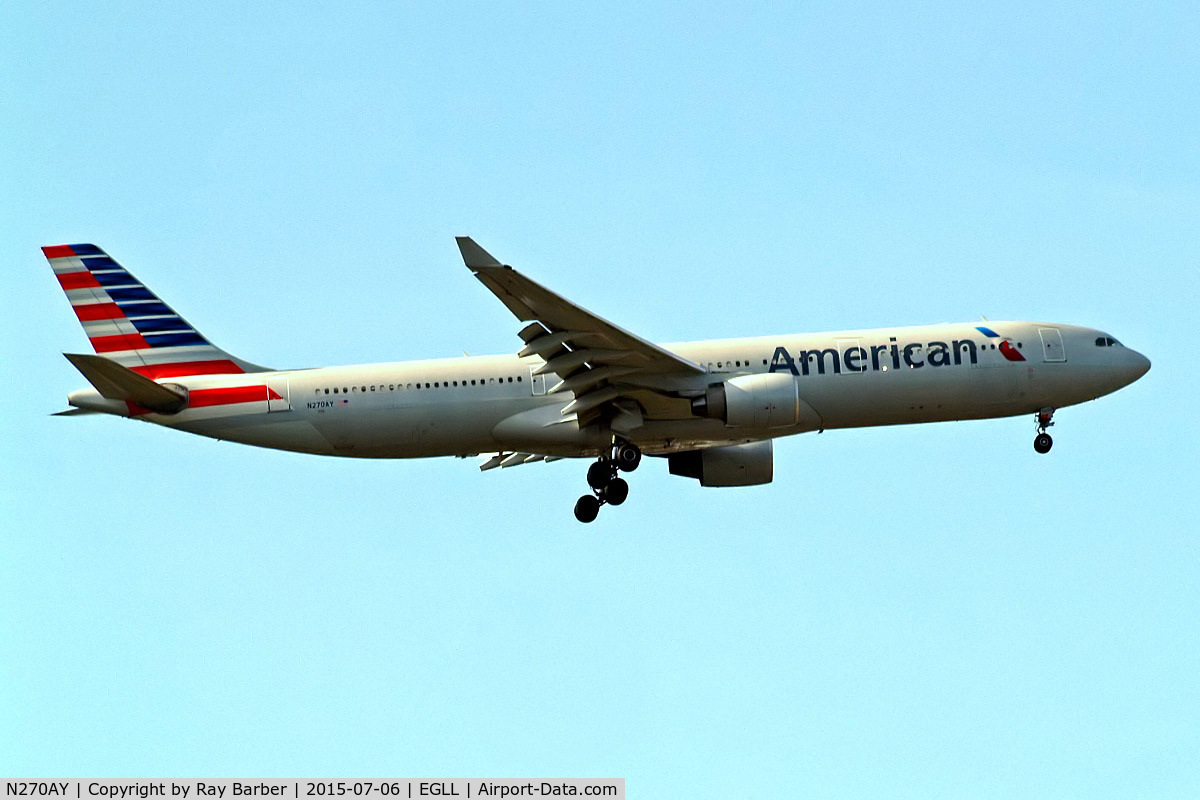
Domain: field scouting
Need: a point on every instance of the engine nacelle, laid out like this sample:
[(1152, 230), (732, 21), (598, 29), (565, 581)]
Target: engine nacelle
[(733, 465), (768, 400)]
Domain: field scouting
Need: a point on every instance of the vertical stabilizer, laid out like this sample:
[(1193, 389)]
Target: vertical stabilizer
[(131, 325)]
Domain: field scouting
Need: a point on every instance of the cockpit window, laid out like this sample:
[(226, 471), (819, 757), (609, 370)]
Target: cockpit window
[(1107, 341)]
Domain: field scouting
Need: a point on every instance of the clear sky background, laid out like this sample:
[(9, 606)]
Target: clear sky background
[(907, 612)]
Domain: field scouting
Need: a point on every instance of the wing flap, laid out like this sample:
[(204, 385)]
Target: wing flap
[(514, 459)]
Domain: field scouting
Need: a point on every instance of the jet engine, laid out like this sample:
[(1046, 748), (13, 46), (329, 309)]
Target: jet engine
[(767, 400), (732, 465)]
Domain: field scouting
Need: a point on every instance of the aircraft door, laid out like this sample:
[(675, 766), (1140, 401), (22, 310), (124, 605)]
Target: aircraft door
[(1052, 345), (538, 384), (278, 395)]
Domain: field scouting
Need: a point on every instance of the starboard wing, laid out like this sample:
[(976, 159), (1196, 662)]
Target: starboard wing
[(597, 361)]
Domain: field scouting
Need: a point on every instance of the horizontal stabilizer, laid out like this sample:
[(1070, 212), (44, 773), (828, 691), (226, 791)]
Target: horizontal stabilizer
[(121, 383), (74, 412)]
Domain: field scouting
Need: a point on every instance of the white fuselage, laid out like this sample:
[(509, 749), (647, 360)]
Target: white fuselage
[(471, 405)]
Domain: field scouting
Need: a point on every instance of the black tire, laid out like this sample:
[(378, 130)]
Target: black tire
[(1043, 443), (599, 474), (616, 492), (628, 457), (586, 508)]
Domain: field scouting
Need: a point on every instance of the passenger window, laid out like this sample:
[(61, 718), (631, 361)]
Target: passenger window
[(326, 391), (518, 379)]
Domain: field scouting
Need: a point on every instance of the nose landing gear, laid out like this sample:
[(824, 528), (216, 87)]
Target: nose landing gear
[(603, 476), (1042, 442)]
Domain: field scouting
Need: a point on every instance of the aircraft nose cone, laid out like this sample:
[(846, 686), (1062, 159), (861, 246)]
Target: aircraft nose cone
[(1138, 366)]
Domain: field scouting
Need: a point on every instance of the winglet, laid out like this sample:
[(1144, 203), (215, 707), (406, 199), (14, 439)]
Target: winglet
[(473, 255)]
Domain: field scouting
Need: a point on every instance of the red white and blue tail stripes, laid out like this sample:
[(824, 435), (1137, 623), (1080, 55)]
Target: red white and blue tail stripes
[(128, 323)]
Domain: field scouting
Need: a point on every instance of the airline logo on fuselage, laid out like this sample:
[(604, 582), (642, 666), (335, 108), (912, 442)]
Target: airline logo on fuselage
[(878, 358), (1005, 347)]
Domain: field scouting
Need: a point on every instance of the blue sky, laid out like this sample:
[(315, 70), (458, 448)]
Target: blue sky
[(907, 612)]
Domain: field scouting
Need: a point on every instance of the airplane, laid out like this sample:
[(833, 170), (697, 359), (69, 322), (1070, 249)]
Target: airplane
[(579, 387)]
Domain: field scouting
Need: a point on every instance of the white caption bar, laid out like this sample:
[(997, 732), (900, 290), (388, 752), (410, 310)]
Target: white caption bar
[(613, 788)]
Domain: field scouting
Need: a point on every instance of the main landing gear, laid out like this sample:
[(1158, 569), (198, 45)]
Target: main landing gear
[(1042, 443), (603, 477)]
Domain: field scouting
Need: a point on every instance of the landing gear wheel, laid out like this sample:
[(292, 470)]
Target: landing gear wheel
[(607, 488), (599, 474), (587, 507), (1043, 443), (615, 492), (628, 456)]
